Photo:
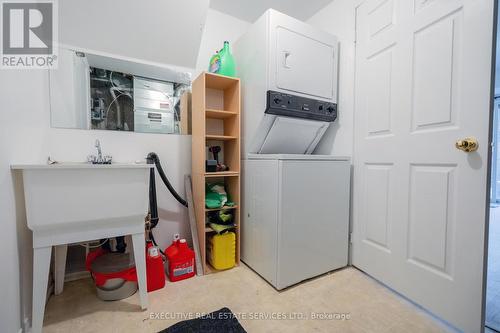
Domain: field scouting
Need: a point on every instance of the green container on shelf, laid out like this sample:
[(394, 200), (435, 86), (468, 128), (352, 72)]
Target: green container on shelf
[(214, 65), (223, 62)]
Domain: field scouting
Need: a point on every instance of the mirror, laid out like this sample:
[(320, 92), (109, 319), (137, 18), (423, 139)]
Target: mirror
[(100, 92)]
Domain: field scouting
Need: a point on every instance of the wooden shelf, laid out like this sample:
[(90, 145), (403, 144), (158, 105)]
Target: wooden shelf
[(219, 120), (219, 114), (210, 270), (209, 229), (222, 174), (219, 82), (216, 209), (220, 137)]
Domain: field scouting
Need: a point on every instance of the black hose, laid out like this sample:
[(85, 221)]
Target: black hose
[(153, 204), (153, 158)]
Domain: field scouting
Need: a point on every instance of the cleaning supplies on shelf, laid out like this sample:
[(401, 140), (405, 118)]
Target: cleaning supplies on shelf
[(216, 196), (223, 216), (180, 260), (221, 228), (221, 220), (155, 271), (221, 250), (227, 64), (223, 62), (214, 65)]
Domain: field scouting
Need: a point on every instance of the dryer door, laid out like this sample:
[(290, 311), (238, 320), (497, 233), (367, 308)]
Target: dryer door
[(305, 65), (292, 136)]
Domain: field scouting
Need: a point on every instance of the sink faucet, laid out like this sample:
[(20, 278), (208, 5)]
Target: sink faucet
[(99, 152), (99, 159)]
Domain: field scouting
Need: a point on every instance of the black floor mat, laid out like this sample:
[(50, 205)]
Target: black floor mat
[(215, 322)]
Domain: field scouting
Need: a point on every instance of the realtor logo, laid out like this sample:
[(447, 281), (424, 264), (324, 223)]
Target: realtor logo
[(29, 34)]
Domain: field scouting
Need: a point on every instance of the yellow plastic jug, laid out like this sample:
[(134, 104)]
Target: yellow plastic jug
[(221, 250)]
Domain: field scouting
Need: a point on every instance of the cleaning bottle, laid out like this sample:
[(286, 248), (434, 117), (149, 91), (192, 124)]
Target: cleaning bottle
[(227, 64), (155, 272), (214, 65), (180, 262)]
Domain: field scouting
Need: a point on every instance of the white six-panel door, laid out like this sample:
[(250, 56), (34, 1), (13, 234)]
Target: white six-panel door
[(422, 82)]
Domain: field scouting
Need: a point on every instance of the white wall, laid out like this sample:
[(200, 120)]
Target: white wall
[(26, 136), (338, 18), (159, 30), (497, 72), (218, 28), (24, 120)]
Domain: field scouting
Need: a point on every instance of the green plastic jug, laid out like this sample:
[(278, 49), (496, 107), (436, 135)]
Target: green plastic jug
[(214, 65), (223, 62)]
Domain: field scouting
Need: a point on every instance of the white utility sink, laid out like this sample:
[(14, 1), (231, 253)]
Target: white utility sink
[(75, 202)]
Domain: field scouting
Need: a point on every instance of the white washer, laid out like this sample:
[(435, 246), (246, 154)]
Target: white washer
[(295, 216)]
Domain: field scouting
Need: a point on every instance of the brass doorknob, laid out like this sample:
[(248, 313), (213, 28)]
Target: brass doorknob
[(468, 144)]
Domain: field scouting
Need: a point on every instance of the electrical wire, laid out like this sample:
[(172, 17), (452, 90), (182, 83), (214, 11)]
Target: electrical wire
[(114, 100), (119, 88)]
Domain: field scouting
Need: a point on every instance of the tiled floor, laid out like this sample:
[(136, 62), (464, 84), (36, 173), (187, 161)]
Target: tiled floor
[(493, 282), (370, 307)]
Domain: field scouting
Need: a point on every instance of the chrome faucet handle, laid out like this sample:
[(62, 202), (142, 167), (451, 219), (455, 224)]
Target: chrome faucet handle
[(50, 161), (107, 159), (91, 159)]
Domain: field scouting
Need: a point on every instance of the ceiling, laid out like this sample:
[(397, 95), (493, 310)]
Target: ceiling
[(153, 30), (251, 10)]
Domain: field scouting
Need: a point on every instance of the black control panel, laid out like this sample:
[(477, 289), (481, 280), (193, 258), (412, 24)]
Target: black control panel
[(281, 104)]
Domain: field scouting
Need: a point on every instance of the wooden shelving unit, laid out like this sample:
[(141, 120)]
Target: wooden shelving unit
[(216, 209), (226, 114), (222, 173), (221, 137), (219, 114)]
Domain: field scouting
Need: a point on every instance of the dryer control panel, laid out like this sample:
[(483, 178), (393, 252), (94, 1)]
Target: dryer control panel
[(281, 104)]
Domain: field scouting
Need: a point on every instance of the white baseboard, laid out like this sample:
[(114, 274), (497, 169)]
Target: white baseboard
[(76, 276)]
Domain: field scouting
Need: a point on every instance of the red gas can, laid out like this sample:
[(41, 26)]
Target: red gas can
[(155, 272), (180, 259)]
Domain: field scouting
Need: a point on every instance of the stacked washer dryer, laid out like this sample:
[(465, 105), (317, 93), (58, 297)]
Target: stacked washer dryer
[(295, 214)]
